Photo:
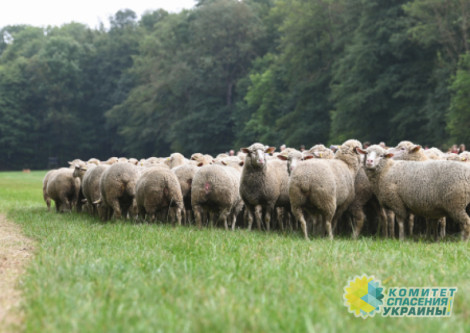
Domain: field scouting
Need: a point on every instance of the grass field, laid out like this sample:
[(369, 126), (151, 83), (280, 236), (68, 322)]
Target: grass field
[(89, 276)]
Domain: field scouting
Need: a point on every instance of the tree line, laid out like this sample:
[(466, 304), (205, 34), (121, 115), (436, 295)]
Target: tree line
[(228, 73)]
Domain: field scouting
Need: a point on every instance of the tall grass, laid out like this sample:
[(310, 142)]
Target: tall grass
[(89, 276)]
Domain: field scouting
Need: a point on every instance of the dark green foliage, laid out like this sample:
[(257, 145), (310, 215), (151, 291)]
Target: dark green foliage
[(227, 73)]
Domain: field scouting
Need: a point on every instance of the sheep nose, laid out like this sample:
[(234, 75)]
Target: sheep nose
[(370, 162)]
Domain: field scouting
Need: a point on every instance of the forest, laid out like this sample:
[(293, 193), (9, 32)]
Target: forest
[(228, 73)]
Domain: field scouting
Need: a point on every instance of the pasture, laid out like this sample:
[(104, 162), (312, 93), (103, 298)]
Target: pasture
[(119, 276)]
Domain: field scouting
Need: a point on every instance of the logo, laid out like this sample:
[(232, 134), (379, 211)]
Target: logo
[(363, 296)]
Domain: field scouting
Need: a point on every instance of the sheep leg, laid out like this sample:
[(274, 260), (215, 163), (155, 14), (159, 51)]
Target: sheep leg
[(297, 211), (382, 229), (224, 217), (258, 215), (391, 223), (267, 218), (179, 214), (48, 203), (249, 216), (234, 221), (411, 223), (442, 228), (401, 227), (464, 221), (197, 209), (57, 206), (116, 208), (359, 217)]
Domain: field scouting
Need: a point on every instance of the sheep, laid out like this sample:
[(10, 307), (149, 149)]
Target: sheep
[(91, 186), (117, 187), (158, 189), (153, 161), (432, 189), (46, 197), (264, 184), (111, 160), (215, 188), (408, 151), (133, 160), (185, 174), (320, 151), (79, 171), (94, 161), (325, 186), (175, 160), (200, 159), (64, 189), (434, 154)]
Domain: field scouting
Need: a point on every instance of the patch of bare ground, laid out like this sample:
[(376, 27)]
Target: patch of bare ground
[(15, 252)]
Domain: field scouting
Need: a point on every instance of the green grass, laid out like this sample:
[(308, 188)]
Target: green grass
[(88, 276)]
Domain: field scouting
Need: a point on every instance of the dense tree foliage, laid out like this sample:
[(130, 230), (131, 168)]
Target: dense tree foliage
[(227, 73)]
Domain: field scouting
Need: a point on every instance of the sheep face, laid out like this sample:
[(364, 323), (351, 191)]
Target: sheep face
[(403, 149), (374, 156), (79, 170), (293, 158), (255, 154)]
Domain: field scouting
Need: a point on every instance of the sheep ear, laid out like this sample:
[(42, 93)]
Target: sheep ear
[(389, 155), (224, 163), (84, 201), (75, 165), (307, 157), (97, 202), (415, 148), (360, 151), (200, 164), (463, 159), (245, 150), (282, 157), (241, 163), (270, 150), (70, 163)]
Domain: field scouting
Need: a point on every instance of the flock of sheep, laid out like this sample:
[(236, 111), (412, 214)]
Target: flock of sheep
[(319, 191)]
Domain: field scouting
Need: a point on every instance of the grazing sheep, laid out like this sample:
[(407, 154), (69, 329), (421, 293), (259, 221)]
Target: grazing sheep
[(158, 189), (325, 186), (215, 188), (64, 189), (432, 189), (117, 187), (91, 186), (264, 184)]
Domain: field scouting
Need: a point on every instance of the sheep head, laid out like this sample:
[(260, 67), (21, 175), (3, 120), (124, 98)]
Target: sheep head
[(374, 156), (255, 154)]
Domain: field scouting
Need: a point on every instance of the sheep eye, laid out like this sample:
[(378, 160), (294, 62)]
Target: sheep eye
[(382, 155), (403, 149)]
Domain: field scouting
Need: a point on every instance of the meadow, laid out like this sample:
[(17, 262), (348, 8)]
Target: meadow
[(121, 276)]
